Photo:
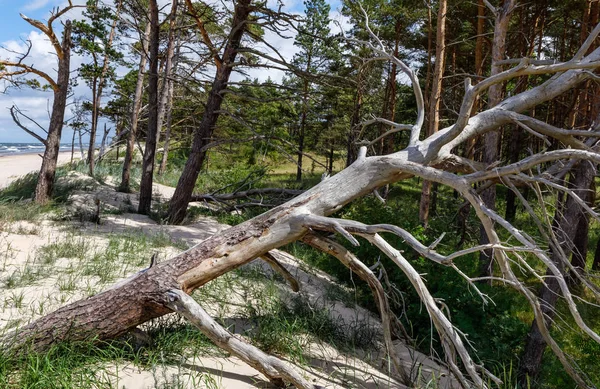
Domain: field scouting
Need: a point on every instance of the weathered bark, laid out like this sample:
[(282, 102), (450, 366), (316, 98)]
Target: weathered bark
[(170, 92), (145, 204), (492, 138), (168, 71), (203, 134), (125, 185), (273, 368), (45, 184), (565, 225), (434, 102)]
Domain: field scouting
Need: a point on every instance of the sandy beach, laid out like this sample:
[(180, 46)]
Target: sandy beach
[(17, 165)]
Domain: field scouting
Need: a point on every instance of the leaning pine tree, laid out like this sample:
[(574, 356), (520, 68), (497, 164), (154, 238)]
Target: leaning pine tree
[(166, 287), (15, 71)]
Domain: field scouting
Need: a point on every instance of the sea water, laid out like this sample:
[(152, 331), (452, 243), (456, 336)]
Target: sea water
[(27, 148)]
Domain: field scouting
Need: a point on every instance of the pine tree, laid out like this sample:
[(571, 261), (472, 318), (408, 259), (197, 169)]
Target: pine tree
[(314, 42)]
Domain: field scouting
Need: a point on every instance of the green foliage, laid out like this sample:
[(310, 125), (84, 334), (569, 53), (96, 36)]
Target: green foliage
[(496, 330)]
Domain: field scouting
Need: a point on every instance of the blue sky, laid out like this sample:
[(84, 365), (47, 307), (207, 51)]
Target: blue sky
[(14, 31)]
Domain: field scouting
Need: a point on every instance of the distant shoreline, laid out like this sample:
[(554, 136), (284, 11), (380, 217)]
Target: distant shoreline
[(15, 165), (28, 148)]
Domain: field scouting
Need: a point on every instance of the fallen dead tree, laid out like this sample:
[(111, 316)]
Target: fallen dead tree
[(247, 193), (260, 197), (264, 197), (165, 287)]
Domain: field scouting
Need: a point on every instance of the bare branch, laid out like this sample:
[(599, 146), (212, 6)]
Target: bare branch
[(275, 369), (25, 69), (48, 30), (354, 264), (205, 37), (14, 112), (279, 268)]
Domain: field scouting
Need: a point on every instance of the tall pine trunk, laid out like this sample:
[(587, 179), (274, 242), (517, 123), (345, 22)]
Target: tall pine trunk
[(492, 138), (97, 95), (45, 184), (125, 185), (150, 149), (169, 93), (434, 101), (168, 69), (203, 134)]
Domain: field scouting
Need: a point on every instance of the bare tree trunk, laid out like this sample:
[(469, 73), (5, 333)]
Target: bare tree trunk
[(97, 94), (565, 225), (302, 130), (492, 138), (165, 156), (388, 145), (164, 90), (170, 92), (203, 134), (434, 102), (45, 184), (125, 185), (150, 149)]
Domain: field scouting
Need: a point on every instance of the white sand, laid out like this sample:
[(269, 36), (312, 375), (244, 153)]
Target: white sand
[(15, 166)]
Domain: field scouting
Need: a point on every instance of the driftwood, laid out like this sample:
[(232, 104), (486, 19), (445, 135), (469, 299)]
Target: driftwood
[(160, 289)]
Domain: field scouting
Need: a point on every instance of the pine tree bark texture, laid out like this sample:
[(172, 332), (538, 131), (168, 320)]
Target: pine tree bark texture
[(145, 203), (45, 185), (434, 101)]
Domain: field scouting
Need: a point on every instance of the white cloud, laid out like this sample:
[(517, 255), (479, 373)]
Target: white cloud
[(35, 104), (35, 5), (338, 21)]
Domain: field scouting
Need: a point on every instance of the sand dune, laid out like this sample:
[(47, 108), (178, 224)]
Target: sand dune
[(15, 166)]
